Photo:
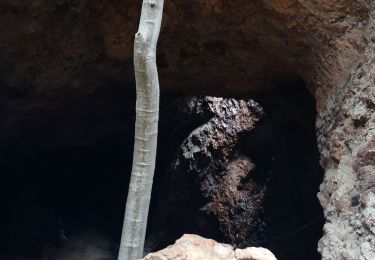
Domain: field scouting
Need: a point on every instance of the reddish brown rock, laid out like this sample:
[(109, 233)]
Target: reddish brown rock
[(59, 47), (211, 181), (216, 46)]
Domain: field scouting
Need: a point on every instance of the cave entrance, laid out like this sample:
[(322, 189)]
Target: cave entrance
[(65, 203), (76, 189), (294, 215), (245, 174)]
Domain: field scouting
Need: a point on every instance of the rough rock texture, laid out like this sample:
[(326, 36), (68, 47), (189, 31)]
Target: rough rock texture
[(227, 47), (193, 247), (53, 48), (347, 142), (210, 177), (255, 195)]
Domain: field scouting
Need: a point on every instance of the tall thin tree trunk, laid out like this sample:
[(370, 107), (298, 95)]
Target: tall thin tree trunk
[(146, 128)]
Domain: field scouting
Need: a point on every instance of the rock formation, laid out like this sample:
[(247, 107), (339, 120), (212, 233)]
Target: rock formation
[(215, 46), (61, 52), (212, 173), (346, 139), (193, 247)]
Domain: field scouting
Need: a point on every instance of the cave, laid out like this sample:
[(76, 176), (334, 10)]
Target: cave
[(66, 169), (279, 154), (294, 214), (292, 82)]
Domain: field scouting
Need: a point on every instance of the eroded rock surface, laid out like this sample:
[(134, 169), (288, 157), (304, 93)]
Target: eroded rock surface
[(211, 181), (56, 48), (347, 142), (193, 247), (215, 46)]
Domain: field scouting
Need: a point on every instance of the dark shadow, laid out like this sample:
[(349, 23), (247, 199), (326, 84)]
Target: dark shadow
[(66, 166), (293, 214)]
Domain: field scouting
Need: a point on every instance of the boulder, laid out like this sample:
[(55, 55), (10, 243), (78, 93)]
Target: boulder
[(193, 247)]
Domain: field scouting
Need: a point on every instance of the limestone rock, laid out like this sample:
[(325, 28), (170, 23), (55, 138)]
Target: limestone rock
[(254, 253), (193, 247), (346, 139)]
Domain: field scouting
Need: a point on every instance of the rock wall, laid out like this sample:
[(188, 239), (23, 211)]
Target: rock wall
[(347, 142), (211, 181), (244, 175), (56, 48), (215, 46)]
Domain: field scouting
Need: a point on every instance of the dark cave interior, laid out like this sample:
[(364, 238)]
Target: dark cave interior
[(52, 186)]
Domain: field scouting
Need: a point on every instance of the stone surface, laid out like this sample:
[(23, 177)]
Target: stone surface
[(254, 253), (51, 49), (346, 139), (243, 184), (215, 46), (193, 247), (211, 180)]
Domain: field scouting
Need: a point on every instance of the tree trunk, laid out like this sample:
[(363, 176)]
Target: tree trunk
[(146, 127)]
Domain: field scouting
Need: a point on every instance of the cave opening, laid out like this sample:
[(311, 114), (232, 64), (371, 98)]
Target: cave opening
[(294, 215), (64, 193), (258, 187)]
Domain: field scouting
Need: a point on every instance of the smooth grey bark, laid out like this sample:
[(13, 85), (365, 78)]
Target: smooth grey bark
[(146, 128)]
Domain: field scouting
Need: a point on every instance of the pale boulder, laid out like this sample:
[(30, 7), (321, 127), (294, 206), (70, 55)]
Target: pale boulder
[(194, 247)]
